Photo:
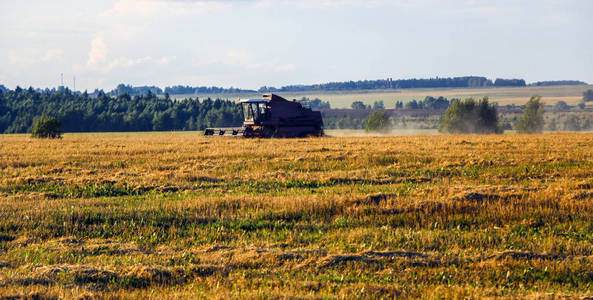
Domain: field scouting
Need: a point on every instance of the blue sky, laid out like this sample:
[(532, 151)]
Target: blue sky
[(252, 43)]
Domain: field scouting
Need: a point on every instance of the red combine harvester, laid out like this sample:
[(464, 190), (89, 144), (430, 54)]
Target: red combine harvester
[(273, 116)]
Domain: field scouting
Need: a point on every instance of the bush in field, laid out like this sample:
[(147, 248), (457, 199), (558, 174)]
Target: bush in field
[(379, 105), (471, 116), (561, 106), (412, 105), (378, 121), (552, 124), (572, 123), (429, 103), (588, 95), (532, 119), (314, 103), (359, 105), (46, 127)]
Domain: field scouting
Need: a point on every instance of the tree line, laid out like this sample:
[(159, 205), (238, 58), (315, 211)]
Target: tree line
[(135, 90), (77, 112), (557, 82), (389, 83), (454, 82), (315, 103), (179, 89), (449, 82), (429, 102), (173, 90)]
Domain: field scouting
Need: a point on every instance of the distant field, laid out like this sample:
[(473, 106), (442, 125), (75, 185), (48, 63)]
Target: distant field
[(394, 132), (178, 215), (572, 94)]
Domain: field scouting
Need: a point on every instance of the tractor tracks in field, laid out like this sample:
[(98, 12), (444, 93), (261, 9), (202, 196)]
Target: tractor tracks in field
[(221, 259)]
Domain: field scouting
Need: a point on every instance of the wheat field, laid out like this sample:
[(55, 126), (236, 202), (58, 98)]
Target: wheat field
[(178, 215)]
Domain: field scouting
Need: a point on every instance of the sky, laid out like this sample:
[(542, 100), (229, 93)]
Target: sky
[(254, 43)]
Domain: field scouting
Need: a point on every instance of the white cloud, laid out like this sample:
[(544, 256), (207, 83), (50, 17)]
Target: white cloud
[(338, 3), (32, 56), (242, 58), (151, 8), (284, 68), (165, 60), (52, 53), (239, 58), (479, 8), (98, 52), (124, 62), (99, 59)]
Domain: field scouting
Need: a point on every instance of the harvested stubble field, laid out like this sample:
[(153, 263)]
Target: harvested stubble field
[(165, 215)]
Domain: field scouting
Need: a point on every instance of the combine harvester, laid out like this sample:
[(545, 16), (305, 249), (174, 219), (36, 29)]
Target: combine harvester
[(273, 116)]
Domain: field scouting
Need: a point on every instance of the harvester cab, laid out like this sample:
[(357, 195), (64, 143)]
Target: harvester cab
[(255, 111), (274, 116)]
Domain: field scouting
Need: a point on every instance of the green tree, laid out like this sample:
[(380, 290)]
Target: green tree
[(588, 95), (561, 106), (358, 105), (572, 123), (551, 125), (532, 119), (46, 127), (435, 103), (412, 105), (471, 116), (378, 121), (379, 105)]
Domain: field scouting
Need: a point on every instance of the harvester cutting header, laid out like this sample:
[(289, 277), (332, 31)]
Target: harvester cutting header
[(274, 116)]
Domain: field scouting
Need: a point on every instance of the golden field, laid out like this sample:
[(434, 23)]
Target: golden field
[(177, 215)]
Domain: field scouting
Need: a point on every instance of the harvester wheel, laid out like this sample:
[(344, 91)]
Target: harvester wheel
[(272, 133)]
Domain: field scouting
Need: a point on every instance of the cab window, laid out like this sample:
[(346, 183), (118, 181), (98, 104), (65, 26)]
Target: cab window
[(263, 110), (248, 113)]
